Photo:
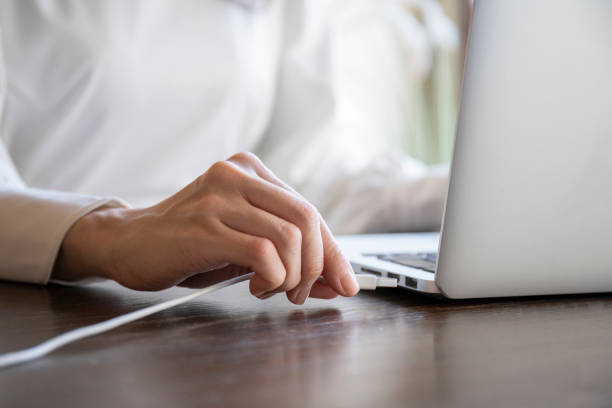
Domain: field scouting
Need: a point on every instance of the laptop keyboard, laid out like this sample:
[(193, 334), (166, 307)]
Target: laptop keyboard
[(421, 260)]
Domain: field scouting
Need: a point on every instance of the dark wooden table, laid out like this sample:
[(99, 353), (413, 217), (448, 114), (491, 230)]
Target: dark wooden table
[(384, 349)]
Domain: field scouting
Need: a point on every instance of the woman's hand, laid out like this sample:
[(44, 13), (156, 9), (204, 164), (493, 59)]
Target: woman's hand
[(235, 218)]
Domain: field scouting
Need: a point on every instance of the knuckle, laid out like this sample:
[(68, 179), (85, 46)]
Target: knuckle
[(245, 157), (308, 214), (290, 234), (220, 169), (262, 249), (276, 280), (273, 280), (251, 157)]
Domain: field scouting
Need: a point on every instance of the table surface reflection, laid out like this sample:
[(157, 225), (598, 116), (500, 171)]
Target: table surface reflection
[(388, 348)]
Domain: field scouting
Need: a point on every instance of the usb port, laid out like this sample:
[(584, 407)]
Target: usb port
[(411, 282), (394, 276), (364, 270)]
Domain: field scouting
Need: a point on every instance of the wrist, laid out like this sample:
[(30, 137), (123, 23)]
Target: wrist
[(87, 248)]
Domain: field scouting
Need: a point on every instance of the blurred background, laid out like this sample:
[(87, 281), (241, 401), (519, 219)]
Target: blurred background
[(400, 64), (379, 80)]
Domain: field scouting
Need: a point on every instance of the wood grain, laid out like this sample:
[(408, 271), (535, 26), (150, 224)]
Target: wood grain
[(384, 349)]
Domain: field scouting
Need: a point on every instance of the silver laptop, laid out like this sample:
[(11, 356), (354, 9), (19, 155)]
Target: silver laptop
[(529, 206)]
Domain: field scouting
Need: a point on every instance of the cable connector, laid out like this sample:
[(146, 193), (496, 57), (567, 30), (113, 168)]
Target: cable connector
[(371, 282)]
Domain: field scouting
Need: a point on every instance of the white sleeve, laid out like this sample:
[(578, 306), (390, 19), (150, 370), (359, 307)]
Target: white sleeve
[(330, 140), (33, 222)]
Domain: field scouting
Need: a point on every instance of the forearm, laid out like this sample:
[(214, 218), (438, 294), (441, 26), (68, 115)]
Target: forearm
[(34, 224)]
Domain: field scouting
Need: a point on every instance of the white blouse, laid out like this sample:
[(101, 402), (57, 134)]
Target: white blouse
[(134, 99)]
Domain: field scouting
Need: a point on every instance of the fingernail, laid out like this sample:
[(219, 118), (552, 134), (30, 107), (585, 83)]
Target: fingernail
[(349, 284), (269, 295), (301, 295)]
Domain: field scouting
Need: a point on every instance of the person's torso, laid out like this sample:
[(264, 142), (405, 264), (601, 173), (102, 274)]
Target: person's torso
[(134, 98)]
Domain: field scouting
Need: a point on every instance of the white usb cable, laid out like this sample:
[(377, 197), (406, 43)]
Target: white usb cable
[(367, 282)]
